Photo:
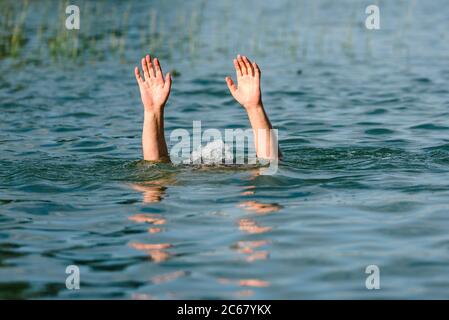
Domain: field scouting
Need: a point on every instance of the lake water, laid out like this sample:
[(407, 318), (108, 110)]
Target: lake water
[(363, 120)]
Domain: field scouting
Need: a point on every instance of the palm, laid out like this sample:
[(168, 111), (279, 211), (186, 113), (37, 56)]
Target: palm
[(247, 92), (154, 89), (153, 93)]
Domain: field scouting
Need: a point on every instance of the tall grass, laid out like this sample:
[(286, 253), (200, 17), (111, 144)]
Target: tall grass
[(36, 30), (12, 24)]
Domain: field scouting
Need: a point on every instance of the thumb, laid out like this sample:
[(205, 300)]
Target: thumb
[(231, 86), (168, 80)]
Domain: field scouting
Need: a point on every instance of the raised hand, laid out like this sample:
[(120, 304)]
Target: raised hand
[(247, 92), (154, 89)]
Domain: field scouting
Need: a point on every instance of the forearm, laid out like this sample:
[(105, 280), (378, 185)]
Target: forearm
[(265, 139), (153, 139)]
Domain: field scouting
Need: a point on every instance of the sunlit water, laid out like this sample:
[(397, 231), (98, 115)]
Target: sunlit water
[(364, 128)]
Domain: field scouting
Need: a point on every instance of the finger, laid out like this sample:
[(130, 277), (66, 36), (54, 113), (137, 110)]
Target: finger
[(167, 84), (145, 69), (257, 72), (150, 66), (249, 66), (238, 71), (138, 77), (157, 68), (231, 86), (242, 65)]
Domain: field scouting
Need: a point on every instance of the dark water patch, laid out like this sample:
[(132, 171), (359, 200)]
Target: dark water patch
[(292, 93), (411, 231), (316, 131), (14, 290), (43, 207), (377, 111), (379, 131), (8, 252), (368, 123), (87, 143), (398, 206), (429, 126), (443, 148), (92, 149), (422, 80), (81, 115), (386, 101), (65, 129), (293, 142)]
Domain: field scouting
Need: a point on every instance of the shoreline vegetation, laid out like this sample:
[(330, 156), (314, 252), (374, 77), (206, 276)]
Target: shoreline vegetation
[(35, 32)]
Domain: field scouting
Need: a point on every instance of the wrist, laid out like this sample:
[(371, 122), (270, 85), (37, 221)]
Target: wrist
[(153, 113), (254, 108)]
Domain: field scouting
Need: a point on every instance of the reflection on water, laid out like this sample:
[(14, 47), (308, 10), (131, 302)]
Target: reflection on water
[(249, 248), (153, 191), (154, 250), (251, 226), (249, 191), (168, 277), (148, 218), (252, 249), (245, 282), (363, 125), (260, 208), (152, 219)]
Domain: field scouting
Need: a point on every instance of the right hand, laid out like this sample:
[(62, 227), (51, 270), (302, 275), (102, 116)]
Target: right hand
[(154, 90)]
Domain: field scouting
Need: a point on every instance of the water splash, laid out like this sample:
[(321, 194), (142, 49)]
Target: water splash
[(215, 152)]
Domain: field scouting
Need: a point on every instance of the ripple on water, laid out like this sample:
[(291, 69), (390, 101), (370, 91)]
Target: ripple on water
[(363, 131), (379, 131)]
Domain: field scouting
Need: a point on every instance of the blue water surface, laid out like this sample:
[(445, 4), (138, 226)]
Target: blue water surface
[(363, 120)]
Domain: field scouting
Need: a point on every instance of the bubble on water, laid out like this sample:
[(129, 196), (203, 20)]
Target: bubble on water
[(215, 152)]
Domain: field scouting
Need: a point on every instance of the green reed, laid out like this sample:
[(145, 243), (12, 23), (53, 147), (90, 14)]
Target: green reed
[(13, 30), (116, 29)]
